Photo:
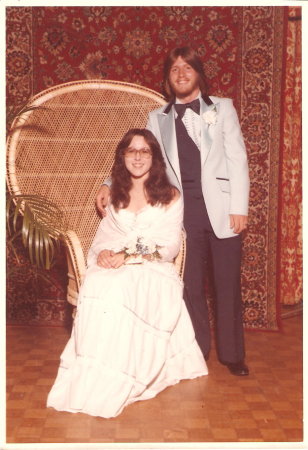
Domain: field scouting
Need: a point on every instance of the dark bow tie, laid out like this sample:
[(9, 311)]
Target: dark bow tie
[(181, 107)]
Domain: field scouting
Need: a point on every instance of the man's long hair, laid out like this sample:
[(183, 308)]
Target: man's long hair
[(157, 186), (190, 56)]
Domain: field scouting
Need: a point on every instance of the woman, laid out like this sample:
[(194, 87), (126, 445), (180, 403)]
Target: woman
[(132, 336)]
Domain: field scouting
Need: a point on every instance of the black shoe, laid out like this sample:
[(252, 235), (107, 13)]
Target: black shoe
[(240, 369)]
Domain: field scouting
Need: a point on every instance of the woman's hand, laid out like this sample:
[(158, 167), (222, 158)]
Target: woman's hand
[(117, 260), (108, 259), (148, 257)]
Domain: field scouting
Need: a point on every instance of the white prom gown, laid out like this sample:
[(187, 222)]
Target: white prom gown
[(132, 335)]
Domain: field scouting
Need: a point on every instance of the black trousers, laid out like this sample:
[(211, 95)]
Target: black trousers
[(226, 262)]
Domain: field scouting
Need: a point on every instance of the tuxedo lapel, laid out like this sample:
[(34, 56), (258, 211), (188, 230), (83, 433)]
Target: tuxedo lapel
[(168, 135), (207, 130)]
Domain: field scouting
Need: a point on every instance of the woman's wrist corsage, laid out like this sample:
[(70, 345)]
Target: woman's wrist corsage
[(139, 250)]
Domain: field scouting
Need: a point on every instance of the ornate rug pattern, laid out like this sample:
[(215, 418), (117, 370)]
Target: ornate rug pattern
[(290, 239), (242, 50)]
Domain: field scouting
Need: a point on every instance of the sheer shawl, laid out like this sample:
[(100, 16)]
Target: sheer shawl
[(160, 225)]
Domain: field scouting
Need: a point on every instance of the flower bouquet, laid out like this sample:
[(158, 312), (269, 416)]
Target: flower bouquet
[(139, 250)]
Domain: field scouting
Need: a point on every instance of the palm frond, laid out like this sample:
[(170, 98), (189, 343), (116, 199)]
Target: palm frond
[(42, 227)]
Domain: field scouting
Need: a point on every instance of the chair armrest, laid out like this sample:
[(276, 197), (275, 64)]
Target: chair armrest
[(180, 259), (76, 264)]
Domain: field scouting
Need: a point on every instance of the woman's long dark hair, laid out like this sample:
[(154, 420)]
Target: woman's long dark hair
[(157, 186), (190, 56)]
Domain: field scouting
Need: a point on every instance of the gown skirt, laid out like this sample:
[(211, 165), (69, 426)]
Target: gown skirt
[(131, 338)]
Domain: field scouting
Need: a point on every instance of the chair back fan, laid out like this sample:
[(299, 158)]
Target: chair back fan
[(63, 148)]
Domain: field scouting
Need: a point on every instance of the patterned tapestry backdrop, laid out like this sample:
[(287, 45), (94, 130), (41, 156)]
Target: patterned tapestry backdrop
[(290, 253), (243, 53)]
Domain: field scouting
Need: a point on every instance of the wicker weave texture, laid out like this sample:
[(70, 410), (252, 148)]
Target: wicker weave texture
[(66, 147)]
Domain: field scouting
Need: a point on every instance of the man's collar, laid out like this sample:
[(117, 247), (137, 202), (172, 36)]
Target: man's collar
[(177, 100), (204, 97)]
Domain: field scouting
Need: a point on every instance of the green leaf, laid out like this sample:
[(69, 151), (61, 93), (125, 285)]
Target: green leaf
[(42, 226)]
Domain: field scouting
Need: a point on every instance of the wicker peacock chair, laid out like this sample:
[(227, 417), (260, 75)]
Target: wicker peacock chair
[(65, 148)]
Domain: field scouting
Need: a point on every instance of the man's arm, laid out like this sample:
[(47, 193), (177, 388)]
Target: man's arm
[(236, 159), (102, 198), (237, 168)]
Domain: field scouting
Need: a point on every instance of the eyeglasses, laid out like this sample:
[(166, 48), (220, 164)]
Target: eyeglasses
[(143, 152)]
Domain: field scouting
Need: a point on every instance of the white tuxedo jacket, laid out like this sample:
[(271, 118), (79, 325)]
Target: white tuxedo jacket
[(224, 168)]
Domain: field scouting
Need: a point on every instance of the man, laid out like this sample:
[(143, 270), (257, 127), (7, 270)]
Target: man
[(206, 159)]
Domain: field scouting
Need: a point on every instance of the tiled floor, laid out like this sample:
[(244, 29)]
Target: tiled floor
[(264, 407)]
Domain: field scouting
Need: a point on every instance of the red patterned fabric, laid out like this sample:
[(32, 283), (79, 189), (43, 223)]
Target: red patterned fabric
[(243, 53), (290, 220)]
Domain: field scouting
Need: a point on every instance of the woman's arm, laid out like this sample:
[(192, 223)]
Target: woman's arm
[(169, 231), (109, 237)]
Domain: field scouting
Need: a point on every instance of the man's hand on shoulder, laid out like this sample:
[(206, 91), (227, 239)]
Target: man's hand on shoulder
[(102, 198)]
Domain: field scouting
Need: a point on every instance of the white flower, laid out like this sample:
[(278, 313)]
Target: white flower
[(210, 116), (131, 248), (151, 247)]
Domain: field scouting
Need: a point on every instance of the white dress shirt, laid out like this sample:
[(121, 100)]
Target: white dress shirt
[(192, 123)]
